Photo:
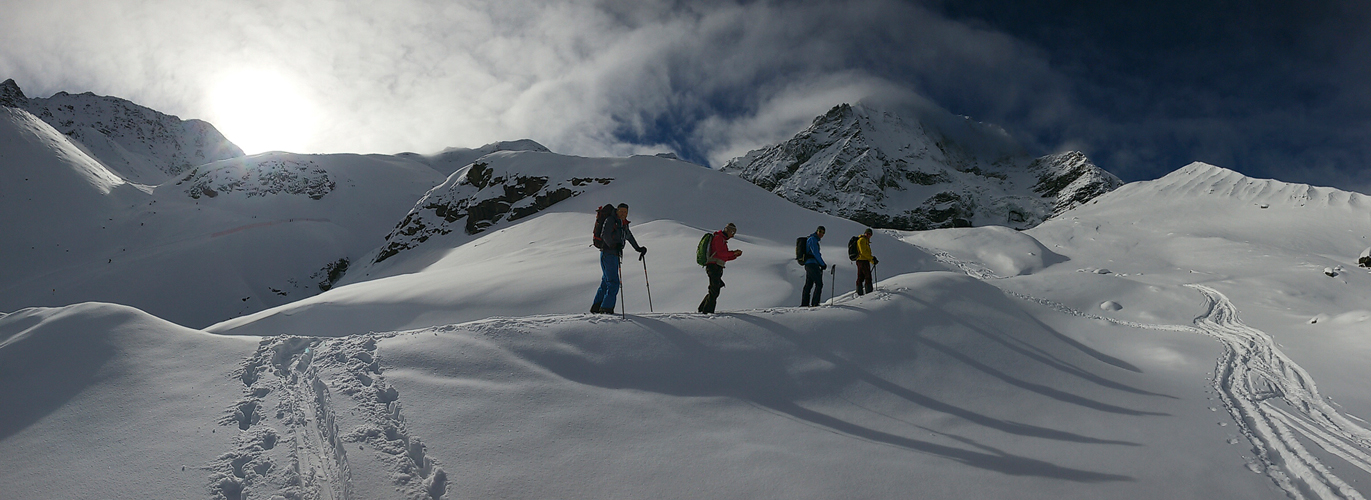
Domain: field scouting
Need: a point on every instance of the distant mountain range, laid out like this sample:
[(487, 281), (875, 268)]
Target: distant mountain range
[(887, 171)]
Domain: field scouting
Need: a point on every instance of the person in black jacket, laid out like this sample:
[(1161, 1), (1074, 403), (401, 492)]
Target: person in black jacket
[(614, 234)]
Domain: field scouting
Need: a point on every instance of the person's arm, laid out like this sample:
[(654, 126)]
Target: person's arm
[(629, 234)]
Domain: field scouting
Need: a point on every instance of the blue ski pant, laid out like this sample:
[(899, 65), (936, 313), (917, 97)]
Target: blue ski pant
[(609, 282), (814, 278)]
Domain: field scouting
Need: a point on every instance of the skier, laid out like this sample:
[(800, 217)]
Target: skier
[(714, 268), (814, 270), (614, 233), (864, 262)]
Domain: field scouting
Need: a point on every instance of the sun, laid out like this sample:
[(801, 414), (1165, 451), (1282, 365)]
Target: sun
[(262, 111)]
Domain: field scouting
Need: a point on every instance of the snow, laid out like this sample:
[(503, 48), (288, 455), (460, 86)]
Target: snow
[(1175, 338)]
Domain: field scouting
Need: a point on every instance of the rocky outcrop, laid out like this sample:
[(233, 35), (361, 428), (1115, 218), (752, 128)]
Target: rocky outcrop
[(11, 96), (260, 178), (476, 198)]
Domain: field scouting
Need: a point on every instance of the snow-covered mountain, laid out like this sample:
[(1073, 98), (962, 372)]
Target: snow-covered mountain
[(872, 166), (140, 144), (1202, 335)]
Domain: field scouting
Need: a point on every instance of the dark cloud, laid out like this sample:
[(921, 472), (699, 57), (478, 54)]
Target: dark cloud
[(1269, 88)]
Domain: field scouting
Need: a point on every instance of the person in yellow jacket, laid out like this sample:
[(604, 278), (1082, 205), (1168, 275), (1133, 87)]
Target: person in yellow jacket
[(864, 262)]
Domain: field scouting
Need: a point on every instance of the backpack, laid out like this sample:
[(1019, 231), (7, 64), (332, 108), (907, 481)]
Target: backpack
[(601, 215), (702, 250), (852, 252), (802, 249)]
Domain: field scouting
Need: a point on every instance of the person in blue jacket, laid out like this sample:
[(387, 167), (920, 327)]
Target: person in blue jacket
[(814, 270), (614, 234)]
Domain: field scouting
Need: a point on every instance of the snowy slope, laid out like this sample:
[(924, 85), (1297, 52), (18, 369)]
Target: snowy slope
[(1254, 252), (1121, 351), (273, 229), (105, 401), (439, 273), (140, 144), (1203, 335), (868, 164), (56, 198)]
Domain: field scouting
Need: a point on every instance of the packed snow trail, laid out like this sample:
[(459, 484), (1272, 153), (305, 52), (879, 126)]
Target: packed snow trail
[(306, 393), (1269, 396), (1252, 373)]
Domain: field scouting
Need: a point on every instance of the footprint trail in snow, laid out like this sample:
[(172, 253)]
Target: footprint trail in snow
[(317, 418), (1271, 398)]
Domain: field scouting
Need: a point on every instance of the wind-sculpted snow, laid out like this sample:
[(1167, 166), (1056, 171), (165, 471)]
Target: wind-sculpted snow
[(261, 177), (870, 166), (1273, 401), (478, 197)]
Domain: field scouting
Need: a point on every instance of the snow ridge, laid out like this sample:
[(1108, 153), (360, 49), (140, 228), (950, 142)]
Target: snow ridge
[(1204, 180)]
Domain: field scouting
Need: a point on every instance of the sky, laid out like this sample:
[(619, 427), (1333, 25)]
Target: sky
[(1270, 89)]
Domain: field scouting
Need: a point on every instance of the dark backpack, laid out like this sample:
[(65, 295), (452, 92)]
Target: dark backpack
[(852, 252), (802, 249), (601, 215), (702, 250)]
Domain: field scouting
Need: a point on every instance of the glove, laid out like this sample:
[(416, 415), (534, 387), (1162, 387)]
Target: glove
[(823, 267), (642, 249), (642, 254), (875, 261)]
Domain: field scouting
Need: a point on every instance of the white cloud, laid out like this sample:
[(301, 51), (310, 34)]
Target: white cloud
[(582, 77)]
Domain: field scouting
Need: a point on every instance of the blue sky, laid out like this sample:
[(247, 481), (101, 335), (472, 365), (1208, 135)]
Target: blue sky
[(1271, 89)]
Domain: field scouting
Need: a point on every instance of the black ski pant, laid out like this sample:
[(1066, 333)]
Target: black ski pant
[(864, 285), (716, 283), (814, 279)]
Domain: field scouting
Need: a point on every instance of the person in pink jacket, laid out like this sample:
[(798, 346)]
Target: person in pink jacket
[(714, 267)]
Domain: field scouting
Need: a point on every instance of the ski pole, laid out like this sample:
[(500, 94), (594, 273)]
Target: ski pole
[(643, 257), (623, 301), (874, 280), (833, 283)]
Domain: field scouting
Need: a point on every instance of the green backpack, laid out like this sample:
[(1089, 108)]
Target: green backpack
[(702, 250)]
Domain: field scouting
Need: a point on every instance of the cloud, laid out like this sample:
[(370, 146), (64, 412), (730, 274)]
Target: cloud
[(712, 79), (706, 79)]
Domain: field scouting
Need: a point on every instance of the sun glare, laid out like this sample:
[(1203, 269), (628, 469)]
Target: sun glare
[(262, 111)]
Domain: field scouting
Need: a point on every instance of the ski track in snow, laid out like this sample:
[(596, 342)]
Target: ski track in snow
[(306, 401), (1269, 396)]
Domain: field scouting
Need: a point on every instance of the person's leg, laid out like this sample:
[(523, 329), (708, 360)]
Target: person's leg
[(604, 286), (863, 277), (809, 295), (809, 285), (818, 287), (609, 263), (716, 285)]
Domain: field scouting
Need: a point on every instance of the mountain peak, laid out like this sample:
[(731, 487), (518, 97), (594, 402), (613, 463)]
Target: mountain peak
[(919, 168), (1201, 180), (11, 96)]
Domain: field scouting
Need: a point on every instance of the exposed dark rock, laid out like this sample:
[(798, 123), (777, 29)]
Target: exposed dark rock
[(478, 199)]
